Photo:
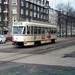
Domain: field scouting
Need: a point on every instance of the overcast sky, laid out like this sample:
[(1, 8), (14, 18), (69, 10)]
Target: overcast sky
[(53, 3)]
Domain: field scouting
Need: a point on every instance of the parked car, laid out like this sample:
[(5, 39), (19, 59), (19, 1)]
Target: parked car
[(2, 39), (8, 37)]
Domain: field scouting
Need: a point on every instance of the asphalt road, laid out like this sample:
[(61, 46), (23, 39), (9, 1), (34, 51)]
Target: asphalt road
[(50, 58), (50, 63)]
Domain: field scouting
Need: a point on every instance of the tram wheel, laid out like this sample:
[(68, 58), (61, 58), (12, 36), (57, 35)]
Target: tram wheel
[(53, 41), (36, 43)]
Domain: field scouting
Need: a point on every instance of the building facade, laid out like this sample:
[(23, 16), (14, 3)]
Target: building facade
[(66, 25), (4, 16), (22, 10), (52, 16)]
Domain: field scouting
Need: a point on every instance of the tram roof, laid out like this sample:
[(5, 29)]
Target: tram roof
[(22, 23)]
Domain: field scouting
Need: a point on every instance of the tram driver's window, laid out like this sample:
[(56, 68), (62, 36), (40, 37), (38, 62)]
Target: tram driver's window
[(28, 29)]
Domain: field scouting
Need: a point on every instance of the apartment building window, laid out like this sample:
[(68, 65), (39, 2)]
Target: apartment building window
[(30, 13), (14, 10), (47, 4), (0, 18), (41, 9), (14, 18), (6, 9), (34, 7), (26, 4), (22, 3), (38, 8), (38, 15), (44, 17), (42, 2), (41, 16), (35, 14), (0, 1), (34, 1), (38, 2), (44, 10), (0, 8), (26, 12), (22, 11), (5, 19), (14, 2), (31, 6), (6, 2)]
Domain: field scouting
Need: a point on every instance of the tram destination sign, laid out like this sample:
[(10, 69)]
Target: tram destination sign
[(18, 23)]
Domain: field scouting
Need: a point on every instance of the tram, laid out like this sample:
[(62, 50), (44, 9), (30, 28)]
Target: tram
[(29, 33)]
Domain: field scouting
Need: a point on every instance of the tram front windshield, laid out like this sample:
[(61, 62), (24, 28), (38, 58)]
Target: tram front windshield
[(18, 30)]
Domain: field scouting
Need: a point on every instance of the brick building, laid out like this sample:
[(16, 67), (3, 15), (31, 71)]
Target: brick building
[(23, 10)]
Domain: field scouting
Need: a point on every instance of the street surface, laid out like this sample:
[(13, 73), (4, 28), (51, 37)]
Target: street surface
[(11, 56)]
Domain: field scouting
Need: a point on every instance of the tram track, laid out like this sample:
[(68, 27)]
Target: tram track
[(23, 53), (35, 50)]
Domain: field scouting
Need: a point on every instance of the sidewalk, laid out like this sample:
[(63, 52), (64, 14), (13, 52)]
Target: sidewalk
[(64, 38)]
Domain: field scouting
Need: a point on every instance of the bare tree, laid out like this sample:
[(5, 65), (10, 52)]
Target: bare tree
[(66, 14)]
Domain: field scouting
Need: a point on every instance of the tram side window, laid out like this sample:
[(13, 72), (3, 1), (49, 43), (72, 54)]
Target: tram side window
[(28, 29), (46, 30), (43, 30), (39, 30), (35, 29), (55, 30), (52, 30), (24, 31), (31, 29), (49, 30)]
